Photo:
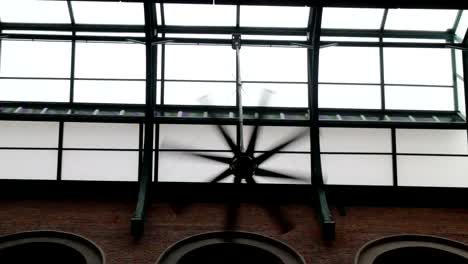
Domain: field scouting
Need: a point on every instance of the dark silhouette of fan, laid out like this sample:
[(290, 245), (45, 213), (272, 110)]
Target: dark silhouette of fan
[(245, 164)]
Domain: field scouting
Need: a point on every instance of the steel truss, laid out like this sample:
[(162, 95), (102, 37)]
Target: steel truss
[(151, 113)]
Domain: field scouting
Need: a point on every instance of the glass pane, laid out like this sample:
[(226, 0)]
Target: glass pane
[(100, 135), (110, 60), (28, 164), (431, 141), (273, 64), (419, 98), (352, 18), (205, 137), (198, 36), (199, 93), (35, 59), (34, 11), (108, 13), (297, 165), (414, 40), (349, 96), (29, 134), (349, 64), (275, 37), (271, 136), (418, 66), (190, 168), (461, 96), (357, 39), (199, 15), (100, 165), (432, 171), (111, 34), (117, 92), (355, 140), (420, 19), (357, 169), (459, 62), (38, 32), (189, 62), (274, 16), (462, 27), (280, 95), (34, 90)]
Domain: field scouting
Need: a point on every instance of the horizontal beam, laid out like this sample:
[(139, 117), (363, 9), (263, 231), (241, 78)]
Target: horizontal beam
[(435, 4), (70, 27)]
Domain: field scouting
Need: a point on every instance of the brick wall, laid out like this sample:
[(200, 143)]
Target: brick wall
[(107, 223)]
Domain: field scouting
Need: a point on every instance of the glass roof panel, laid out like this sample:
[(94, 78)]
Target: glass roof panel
[(34, 11), (193, 93), (419, 98), (349, 96), (34, 90), (432, 141), (199, 15), (281, 95), (349, 64), (420, 19), (461, 97), (337, 139), (418, 66), (273, 64), (271, 135), (116, 92), (414, 40), (28, 164), (29, 134), (357, 39), (118, 13), (352, 18), (274, 16)]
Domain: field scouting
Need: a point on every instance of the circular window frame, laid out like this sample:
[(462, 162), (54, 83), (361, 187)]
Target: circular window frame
[(174, 253), (368, 253), (90, 252)]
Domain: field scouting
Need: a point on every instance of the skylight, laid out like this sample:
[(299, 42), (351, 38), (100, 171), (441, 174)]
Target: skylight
[(420, 19), (36, 11), (274, 16), (117, 13), (199, 15), (352, 18)]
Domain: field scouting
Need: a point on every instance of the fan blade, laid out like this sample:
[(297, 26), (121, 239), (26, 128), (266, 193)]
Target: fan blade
[(212, 157), (234, 148), (272, 174), (253, 137), (223, 175), (265, 156)]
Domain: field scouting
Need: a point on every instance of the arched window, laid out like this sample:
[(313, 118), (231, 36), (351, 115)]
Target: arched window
[(404, 249), (49, 247), (230, 248)]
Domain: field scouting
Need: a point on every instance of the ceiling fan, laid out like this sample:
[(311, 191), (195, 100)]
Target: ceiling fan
[(245, 165)]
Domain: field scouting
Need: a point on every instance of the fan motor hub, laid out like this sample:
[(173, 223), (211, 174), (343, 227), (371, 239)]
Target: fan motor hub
[(243, 166)]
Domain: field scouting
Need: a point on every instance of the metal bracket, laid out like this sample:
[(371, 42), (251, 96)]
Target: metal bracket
[(236, 41), (327, 223)]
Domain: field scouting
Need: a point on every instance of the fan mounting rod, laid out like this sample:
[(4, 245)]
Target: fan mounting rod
[(236, 45)]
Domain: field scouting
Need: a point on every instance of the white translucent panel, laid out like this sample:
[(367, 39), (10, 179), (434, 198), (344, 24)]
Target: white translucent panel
[(200, 62), (274, 16), (100, 165), (108, 13), (419, 98), (271, 136), (199, 15), (200, 93), (461, 96), (418, 66), (100, 135), (273, 37), (194, 137), (462, 27), (280, 95), (430, 171), (432, 141), (297, 165), (119, 92), (420, 19), (352, 18), (110, 60), (38, 32), (459, 62), (28, 164), (357, 39), (34, 90), (35, 59), (34, 11), (414, 40), (369, 140), (349, 96), (357, 169), (25, 134), (181, 167), (200, 36), (112, 34), (273, 64), (349, 64)]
